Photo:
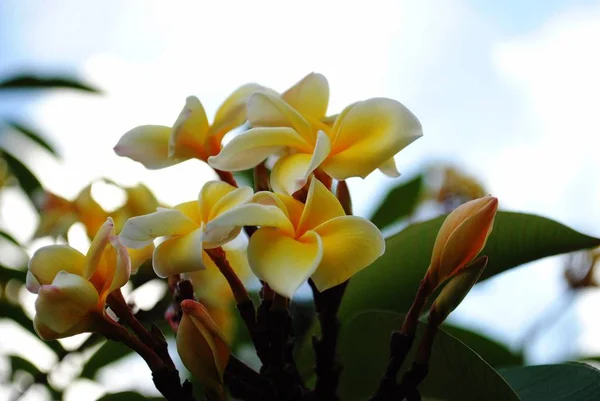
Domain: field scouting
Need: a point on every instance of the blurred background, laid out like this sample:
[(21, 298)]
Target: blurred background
[(508, 94)]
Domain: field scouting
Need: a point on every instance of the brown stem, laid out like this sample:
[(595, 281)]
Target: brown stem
[(237, 287), (227, 177), (409, 326)]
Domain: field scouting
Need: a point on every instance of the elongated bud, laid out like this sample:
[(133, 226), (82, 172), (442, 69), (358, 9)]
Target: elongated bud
[(202, 348), (455, 291), (460, 239)]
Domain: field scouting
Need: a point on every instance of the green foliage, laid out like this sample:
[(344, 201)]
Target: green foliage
[(36, 82), (30, 133), (455, 371), (569, 381), (400, 202), (392, 281), (494, 353), (109, 352), (128, 396), (26, 179)]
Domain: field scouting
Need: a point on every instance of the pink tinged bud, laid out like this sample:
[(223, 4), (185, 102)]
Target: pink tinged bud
[(455, 291), (461, 238), (202, 348)]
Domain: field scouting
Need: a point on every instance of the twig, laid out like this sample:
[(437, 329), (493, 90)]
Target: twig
[(227, 177)]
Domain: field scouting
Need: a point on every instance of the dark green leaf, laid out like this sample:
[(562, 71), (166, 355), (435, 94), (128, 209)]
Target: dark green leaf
[(392, 281), (128, 396), (20, 364), (455, 371), (32, 135), (32, 81), (564, 382), (6, 273), (16, 314), (27, 180), (109, 352), (401, 201), (494, 353)]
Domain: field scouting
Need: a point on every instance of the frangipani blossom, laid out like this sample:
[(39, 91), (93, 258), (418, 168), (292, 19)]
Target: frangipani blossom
[(188, 227), (460, 239), (191, 136), (203, 348), (298, 241), (72, 288), (363, 137)]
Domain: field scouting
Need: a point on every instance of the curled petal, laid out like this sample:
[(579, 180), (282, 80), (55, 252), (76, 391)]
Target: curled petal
[(350, 244), (179, 255), (46, 262), (253, 146), (190, 131), (97, 247), (122, 269), (139, 256), (141, 230), (232, 113), (291, 172), (389, 168), (64, 303), (284, 262), (203, 348), (310, 96), (321, 206), (252, 214), (367, 135), (233, 199), (269, 110), (147, 144)]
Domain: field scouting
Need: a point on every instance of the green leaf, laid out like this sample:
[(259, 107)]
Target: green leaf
[(32, 135), (109, 352), (20, 364), (6, 273), (568, 381), (494, 353), (27, 180), (33, 81), (392, 281), (128, 396), (10, 238), (455, 371), (244, 177), (401, 201)]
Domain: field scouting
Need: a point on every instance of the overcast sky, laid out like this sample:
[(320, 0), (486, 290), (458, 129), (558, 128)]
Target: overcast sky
[(508, 90)]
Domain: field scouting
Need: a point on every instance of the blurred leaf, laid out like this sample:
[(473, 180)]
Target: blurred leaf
[(400, 202), (128, 396), (32, 81), (392, 281), (32, 135), (568, 381), (17, 363), (455, 371), (6, 273), (244, 177), (16, 314), (494, 353), (109, 352), (27, 180)]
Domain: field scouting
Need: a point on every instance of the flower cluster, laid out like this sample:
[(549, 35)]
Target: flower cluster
[(294, 226)]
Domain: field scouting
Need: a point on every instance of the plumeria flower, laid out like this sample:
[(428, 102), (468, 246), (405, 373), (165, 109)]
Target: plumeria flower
[(461, 238), (298, 241), (72, 288), (363, 137), (186, 228), (158, 146), (59, 214)]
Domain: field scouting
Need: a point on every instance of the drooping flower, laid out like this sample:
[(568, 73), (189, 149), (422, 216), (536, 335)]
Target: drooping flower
[(363, 137), (203, 348), (191, 136), (72, 288), (188, 227), (460, 239), (298, 241)]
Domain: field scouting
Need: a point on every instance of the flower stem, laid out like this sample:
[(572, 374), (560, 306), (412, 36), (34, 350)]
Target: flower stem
[(237, 287), (227, 177)]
